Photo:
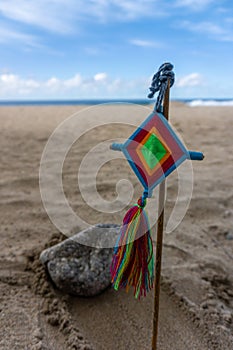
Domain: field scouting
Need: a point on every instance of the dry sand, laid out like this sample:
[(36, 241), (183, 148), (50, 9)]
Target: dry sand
[(197, 277)]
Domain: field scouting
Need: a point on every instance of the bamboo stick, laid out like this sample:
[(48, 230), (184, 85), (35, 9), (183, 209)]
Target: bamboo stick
[(159, 243)]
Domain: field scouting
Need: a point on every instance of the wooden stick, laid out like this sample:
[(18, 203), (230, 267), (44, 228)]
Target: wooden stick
[(159, 243)]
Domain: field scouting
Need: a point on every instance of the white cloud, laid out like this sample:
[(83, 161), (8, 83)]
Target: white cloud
[(203, 27), (8, 79), (130, 9), (14, 35), (13, 86), (67, 16), (73, 82), (213, 30), (52, 82), (196, 5), (50, 15), (64, 16), (190, 80), (31, 84), (145, 43), (100, 77)]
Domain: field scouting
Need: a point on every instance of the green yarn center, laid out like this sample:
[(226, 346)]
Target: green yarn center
[(153, 151)]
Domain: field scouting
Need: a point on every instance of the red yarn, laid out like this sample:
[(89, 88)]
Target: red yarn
[(133, 260)]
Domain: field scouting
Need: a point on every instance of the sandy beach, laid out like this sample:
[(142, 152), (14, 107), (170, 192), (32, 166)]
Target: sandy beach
[(196, 309)]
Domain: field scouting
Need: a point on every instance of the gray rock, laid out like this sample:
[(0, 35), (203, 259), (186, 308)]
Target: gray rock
[(80, 265), (229, 236), (228, 213)]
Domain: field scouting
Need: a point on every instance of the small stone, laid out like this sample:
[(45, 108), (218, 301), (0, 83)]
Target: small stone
[(211, 303), (227, 317), (55, 302), (229, 236), (228, 213), (210, 296), (38, 334), (65, 324), (80, 265)]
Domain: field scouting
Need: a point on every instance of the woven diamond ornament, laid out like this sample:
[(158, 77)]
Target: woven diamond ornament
[(154, 150)]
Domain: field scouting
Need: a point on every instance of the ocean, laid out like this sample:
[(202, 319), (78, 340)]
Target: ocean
[(190, 102)]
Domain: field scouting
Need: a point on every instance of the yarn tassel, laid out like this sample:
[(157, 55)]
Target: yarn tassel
[(133, 260)]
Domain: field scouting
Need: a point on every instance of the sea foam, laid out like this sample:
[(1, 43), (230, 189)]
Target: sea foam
[(197, 103)]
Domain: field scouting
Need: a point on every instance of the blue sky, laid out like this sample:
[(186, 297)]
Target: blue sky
[(110, 49)]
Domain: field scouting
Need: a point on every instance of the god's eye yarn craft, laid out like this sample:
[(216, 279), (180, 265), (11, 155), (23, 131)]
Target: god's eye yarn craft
[(153, 151)]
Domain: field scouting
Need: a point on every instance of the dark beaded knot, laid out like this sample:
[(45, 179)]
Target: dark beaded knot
[(159, 83)]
